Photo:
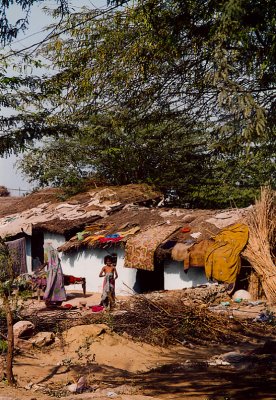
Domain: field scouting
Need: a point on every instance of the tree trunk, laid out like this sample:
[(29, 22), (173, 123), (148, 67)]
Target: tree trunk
[(9, 359)]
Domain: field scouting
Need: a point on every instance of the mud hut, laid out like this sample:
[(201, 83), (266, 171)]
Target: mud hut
[(146, 240), (157, 248)]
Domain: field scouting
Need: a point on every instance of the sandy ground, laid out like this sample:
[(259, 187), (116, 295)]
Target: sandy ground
[(119, 367)]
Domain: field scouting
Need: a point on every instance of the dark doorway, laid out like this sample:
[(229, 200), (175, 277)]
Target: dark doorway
[(149, 281), (244, 275), (37, 242)]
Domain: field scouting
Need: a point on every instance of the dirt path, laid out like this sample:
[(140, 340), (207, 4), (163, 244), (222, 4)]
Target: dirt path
[(173, 382), (176, 373), (117, 366)]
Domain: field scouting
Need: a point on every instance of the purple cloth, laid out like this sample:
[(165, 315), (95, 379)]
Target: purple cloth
[(17, 249), (55, 291)]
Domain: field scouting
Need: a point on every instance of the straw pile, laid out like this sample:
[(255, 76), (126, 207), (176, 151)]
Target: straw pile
[(166, 322), (261, 244), (172, 321), (162, 322), (254, 286), (4, 191)]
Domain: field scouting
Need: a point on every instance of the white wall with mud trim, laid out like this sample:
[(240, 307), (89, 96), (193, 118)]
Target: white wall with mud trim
[(176, 278), (88, 263), (29, 254)]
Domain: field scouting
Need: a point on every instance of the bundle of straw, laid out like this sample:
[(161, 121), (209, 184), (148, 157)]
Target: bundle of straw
[(261, 244), (254, 286)]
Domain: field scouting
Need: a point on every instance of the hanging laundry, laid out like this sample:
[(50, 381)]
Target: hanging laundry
[(112, 236), (17, 249), (110, 239), (222, 261), (80, 235), (92, 239), (140, 249), (131, 231)]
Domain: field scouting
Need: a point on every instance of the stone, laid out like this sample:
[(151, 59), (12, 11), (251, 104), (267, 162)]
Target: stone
[(29, 386), (22, 344), (72, 388), (242, 294), (42, 339), (23, 329), (77, 387)]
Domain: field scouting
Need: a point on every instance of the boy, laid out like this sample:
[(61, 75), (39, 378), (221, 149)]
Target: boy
[(109, 273)]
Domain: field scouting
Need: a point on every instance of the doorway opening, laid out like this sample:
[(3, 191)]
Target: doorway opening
[(150, 281)]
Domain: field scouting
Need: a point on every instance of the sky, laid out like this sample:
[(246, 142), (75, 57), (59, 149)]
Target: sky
[(9, 175)]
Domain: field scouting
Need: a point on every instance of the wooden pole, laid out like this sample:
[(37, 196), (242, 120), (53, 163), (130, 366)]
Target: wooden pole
[(10, 352)]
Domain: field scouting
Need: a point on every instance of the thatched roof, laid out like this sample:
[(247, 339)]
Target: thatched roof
[(45, 209), (194, 225), (103, 216)]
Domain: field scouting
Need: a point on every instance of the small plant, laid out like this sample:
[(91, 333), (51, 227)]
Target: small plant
[(67, 362), (3, 346), (6, 288), (83, 351)]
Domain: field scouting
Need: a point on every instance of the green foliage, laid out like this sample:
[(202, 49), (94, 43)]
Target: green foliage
[(18, 128), (57, 162), (6, 270), (177, 93), (6, 280), (3, 346), (208, 61)]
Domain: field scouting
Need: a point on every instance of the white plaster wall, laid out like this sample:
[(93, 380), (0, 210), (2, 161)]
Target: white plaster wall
[(29, 255), (176, 278), (88, 263), (54, 239)]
